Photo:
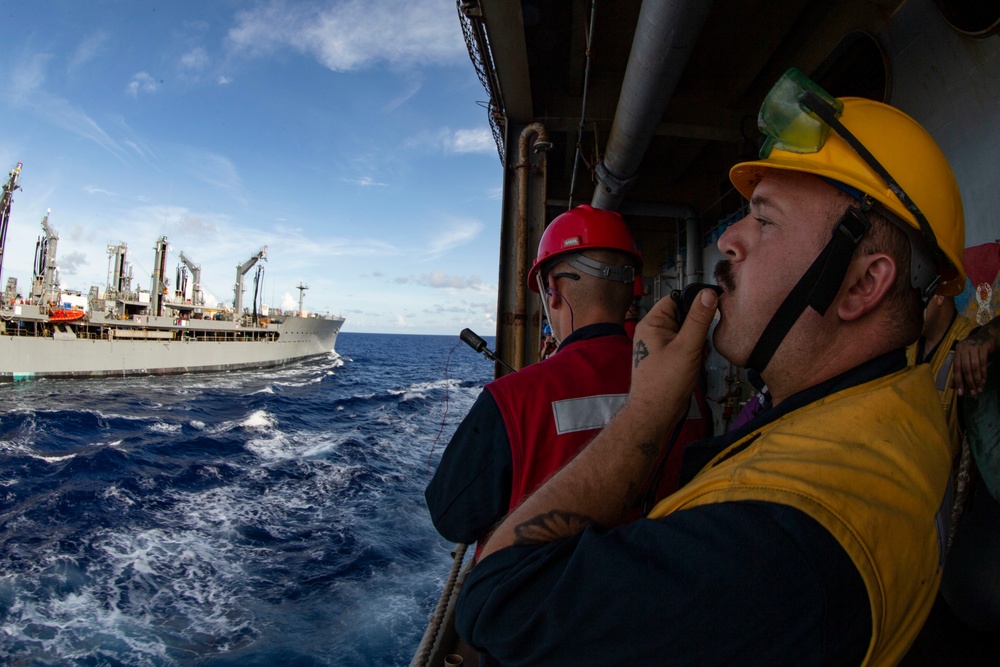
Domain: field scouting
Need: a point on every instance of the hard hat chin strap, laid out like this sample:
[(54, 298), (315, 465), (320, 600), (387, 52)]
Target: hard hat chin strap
[(817, 287)]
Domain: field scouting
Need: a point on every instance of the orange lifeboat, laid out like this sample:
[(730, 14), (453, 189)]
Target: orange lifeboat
[(65, 315)]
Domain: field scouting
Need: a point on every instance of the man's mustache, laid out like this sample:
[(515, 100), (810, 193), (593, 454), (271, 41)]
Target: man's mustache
[(724, 275)]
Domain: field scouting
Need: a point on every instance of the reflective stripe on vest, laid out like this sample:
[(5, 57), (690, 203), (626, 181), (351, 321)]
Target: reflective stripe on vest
[(944, 373), (584, 414)]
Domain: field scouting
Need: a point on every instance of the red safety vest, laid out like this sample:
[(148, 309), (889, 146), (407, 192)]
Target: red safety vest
[(553, 408), (582, 387)]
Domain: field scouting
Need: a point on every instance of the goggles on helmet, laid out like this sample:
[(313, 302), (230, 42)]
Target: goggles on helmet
[(617, 274), (797, 116)]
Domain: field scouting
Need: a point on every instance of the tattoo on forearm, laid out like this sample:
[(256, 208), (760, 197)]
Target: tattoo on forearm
[(639, 353), (551, 526)]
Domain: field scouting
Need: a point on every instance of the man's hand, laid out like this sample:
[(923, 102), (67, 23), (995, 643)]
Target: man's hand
[(665, 361), (971, 358)]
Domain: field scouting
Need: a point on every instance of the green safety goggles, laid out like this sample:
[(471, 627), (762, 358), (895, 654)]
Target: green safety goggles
[(797, 116)]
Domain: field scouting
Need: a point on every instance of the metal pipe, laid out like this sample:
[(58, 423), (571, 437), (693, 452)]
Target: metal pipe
[(583, 109), (541, 143), (665, 36)]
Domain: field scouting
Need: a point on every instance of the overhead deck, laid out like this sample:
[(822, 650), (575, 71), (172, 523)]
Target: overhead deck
[(650, 117)]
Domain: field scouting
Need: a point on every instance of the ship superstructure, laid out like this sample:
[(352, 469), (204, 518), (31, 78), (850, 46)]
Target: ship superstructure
[(125, 330)]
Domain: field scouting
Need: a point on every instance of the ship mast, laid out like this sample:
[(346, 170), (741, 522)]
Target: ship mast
[(302, 287), (45, 283), (197, 298), (241, 271), (119, 272), (158, 278), (5, 202)]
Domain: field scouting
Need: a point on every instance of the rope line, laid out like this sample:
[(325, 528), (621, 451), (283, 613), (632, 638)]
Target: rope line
[(444, 418), (437, 618)]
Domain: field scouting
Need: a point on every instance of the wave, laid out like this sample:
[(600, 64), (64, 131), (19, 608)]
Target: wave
[(269, 516)]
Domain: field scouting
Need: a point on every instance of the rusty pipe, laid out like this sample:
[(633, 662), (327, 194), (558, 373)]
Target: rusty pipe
[(540, 144)]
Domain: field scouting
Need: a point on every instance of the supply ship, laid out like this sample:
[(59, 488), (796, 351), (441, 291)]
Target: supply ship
[(642, 107), (48, 331)]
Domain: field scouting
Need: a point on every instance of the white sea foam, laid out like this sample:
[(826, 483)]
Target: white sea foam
[(51, 458), (422, 389), (272, 449), (259, 420), (163, 427), (115, 493), (325, 445), (17, 447)]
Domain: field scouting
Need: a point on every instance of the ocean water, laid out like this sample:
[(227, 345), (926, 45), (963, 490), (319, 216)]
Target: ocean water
[(268, 517)]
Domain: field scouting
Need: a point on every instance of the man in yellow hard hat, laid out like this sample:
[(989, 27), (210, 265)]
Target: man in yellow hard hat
[(810, 539)]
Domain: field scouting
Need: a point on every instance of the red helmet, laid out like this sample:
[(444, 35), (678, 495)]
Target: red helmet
[(581, 228)]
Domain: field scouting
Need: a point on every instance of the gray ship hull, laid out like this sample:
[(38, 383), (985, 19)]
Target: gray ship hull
[(122, 349)]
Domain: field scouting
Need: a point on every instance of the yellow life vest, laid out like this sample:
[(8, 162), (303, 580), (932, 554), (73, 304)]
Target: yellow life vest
[(941, 368), (870, 464)]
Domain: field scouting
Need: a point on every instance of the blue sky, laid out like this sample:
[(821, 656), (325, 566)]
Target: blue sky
[(345, 135)]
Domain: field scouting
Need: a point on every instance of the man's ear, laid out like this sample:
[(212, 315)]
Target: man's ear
[(869, 279)]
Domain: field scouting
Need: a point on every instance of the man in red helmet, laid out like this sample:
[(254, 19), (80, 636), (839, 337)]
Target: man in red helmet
[(528, 424)]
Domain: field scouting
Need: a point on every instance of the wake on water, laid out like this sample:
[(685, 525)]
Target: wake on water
[(245, 518)]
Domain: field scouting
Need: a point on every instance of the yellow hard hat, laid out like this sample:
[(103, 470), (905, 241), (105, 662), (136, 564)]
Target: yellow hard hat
[(903, 148)]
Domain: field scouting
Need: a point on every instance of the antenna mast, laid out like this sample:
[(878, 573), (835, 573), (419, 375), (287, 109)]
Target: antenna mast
[(302, 287)]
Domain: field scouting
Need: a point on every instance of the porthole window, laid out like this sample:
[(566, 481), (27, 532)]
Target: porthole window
[(975, 18), (857, 67)]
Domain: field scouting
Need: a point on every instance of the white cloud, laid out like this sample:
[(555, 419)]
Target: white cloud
[(458, 233), (440, 280), (214, 169), (224, 80), (365, 182), (87, 50), (26, 89), (352, 34), (92, 190), (473, 141), (192, 225), (195, 59), (141, 82), (413, 86), (450, 141), (70, 264), (28, 77)]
